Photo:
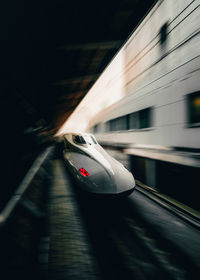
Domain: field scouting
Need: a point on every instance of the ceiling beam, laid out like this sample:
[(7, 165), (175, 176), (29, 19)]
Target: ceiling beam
[(92, 46), (76, 80), (72, 95)]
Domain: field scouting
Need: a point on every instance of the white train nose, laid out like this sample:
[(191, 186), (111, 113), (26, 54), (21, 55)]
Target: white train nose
[(123, 179)]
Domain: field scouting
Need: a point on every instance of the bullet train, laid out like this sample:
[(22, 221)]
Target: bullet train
[(93, 168), (155, 76), (151, 109)]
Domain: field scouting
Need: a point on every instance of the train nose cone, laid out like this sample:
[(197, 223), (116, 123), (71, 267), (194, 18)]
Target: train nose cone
[(124, 179)]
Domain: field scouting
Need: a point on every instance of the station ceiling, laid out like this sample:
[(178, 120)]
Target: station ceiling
[(52, 52)]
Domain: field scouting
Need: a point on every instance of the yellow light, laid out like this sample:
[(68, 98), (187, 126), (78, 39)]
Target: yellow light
[(196, 101)]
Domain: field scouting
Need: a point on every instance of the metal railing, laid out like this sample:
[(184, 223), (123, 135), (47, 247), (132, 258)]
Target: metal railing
[(18, 194)]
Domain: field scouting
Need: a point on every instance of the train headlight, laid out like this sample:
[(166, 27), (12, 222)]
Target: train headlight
[(84, 172)]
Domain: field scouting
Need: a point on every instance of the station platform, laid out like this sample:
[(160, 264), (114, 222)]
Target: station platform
[(70, 254)]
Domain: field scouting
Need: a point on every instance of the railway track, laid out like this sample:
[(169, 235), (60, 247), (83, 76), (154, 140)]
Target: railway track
[(126, 247), (182, 211), (124, 243)]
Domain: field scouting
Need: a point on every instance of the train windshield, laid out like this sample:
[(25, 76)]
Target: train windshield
[(86, 139), (79, 139)]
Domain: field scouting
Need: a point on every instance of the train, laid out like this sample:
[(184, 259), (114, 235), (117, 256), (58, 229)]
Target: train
[(95, 171), (158, 81), (151, 109)]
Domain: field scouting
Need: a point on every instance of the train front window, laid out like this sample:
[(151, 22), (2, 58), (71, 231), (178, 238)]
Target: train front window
[(78, 139)]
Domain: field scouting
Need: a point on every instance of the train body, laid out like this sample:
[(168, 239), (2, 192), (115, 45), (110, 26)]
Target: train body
[(152, 106), (93, 168), (157, 76)]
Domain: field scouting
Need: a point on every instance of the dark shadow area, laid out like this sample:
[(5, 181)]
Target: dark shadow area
[(177, 181)]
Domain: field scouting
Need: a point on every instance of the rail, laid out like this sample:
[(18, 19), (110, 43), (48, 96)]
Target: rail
[(186, 213), (177, 207), (17, 196)]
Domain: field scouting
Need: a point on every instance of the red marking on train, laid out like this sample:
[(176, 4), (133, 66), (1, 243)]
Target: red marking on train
[(84, 172)]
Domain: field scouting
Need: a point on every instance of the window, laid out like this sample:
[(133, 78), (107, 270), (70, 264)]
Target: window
[(78, 139), (193, 109), (134, 120), (137, 120), (145, 118), (141, 119), (163, 33), (120, 123)]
